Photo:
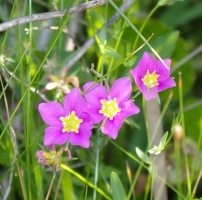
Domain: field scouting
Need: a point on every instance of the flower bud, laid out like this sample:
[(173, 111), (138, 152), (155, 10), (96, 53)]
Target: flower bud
[(178, 132)]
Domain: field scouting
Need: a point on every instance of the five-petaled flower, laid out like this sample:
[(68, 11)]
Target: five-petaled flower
[(151, 76), (69, 122), (111, 108)]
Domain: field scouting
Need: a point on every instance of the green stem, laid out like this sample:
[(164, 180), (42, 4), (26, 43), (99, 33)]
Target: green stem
[(144, 23), (28, 113), (96, 165), (85, 181), (152, 180), (138, 32), (178, 168), (115, 48), (129, 154), (134, 182), (196, 162), (188, 178)]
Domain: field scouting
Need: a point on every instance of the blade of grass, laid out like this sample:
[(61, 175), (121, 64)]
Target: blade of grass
[(27, 113), (96, 164), (178, 167), (196, 160), (188, 178), (138, 33), (65, 167)]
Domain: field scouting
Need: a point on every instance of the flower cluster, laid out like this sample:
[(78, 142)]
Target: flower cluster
[(72, 122)]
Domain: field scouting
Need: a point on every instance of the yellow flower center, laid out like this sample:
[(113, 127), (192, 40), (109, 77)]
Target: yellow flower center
[(52, 157), (109, 108), (150, 80), (71, 123)]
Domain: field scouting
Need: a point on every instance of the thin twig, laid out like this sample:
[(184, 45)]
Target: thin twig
[(187, 58), (101, 77), (89, 42), (50, 15)]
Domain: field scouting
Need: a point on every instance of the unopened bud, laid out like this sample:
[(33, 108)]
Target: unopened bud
[(178, 132)]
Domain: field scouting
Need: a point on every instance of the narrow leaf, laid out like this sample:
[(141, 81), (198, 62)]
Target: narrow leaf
[(118, 192), (143, 156), (163, 140), (108, 51)]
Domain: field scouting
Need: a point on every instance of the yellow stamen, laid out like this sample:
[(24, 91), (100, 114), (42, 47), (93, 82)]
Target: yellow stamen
[(71, 123), (109, 108), (150, 80)]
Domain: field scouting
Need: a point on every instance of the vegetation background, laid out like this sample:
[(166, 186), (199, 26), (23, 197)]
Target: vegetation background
[(34, 67)]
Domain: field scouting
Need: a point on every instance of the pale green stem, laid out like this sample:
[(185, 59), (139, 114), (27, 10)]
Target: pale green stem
[(188, 178), (96, 165), (85, 181), (134, 182), (178, 168), (147, 188), (144, 23), (115, 48), (196, 162), (152, 193), (138, 32), (27, 120)]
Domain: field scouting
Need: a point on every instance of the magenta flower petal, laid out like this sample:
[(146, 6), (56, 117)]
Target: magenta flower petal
[(166, 84), (162, 70), (111, 127), (93, 97), (54, 135), (128, 109), (147, 62), (51, 112), (123, 85), (74, 101), (93, 94), (93, 110), (113, 107), (67, 123), (82, 138), (151, 76), (86, 121), (152, 94)]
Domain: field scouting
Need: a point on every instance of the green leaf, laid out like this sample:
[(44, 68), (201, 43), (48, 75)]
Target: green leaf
[(143, 156), (67, 186), (118, 192), (163, 140), (165, 44), (103, 36), (164, 2), (108, 51)]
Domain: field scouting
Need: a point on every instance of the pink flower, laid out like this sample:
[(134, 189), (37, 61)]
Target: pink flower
[(110, 108), (151, 76), (68, 122)]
